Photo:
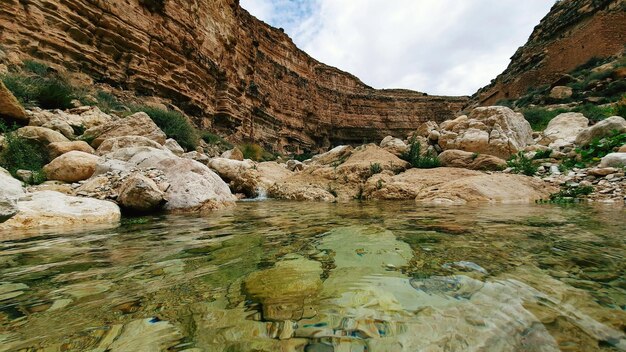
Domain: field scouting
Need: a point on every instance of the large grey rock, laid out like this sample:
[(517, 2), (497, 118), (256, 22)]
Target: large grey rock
[(10, 191), (563, 129), (614, 160), (494, 130), (604, 128)]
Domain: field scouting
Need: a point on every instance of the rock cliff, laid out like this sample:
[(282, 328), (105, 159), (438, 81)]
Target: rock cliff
[(573, 32), (218, 63)]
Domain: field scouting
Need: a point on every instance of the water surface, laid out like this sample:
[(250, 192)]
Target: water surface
[(289, 276)]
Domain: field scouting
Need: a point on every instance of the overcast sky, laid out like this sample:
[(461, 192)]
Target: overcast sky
[(447, 47)]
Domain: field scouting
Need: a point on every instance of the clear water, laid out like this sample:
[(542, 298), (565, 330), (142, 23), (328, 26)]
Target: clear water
[(288, 276)]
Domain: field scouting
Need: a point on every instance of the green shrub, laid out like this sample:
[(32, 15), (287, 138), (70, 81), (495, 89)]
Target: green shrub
[(522, 165), (620, 108), (542, 154), (36, 67), (51, 91), (593, 112), (213, 139), (416, 160), (255, 152), (107, 102), (569, 195), (22, 154), (540, 117), (375, 168), (599, 148), (174, 124)]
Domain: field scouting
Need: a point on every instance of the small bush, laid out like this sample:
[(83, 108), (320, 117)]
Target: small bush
[(213, 139), (540, 117), (620, 108), (174, 124), (22, 154), (375, 168), (255, 152), (36, 67), (522, 165), (107, 102), (303, 156), (48, 91), (414, 157), (542, 154)]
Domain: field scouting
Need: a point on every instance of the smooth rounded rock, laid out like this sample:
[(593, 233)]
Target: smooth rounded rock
[(73, 166), (57, 149), (139, 193)]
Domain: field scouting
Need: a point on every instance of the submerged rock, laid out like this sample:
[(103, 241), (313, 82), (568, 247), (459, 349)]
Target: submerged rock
[(46, 209)]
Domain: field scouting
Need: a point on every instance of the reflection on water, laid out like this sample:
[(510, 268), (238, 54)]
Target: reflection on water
[(286, 276)]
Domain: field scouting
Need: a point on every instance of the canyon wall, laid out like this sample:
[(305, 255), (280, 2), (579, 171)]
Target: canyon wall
[(232, 72), (570, 35)]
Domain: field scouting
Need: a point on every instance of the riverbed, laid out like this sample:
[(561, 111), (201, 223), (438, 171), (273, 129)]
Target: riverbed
[(302, 276)]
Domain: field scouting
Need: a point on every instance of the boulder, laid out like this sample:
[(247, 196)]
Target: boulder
[(602, 171), (139, 193), (295, 165), (425, 129), (622, 149), (10, 191), (193, 186), (604, 128), (394, 145), (197, 156), (174, 147), (73, 166), (333, 156), (47, 209), (9, 106), (59, 148), (472, 161), (494, 130), (286, 291), (78, 119), (115, 143), (235, 154), (563, 129), (60, 126), (230, 169), (561, 92), (614, 160), (457, 186), (42, 135), (138, 124), (255, 182), (359, 164)]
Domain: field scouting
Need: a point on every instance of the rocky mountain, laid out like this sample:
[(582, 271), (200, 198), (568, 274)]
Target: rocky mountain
[(230, 71), (573, 32)]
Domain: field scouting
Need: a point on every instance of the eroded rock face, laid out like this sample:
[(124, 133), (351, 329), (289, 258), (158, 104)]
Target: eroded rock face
[(217, 60), (47, 209), (472, 161), (72, 166), (138, 124), (494, 130)]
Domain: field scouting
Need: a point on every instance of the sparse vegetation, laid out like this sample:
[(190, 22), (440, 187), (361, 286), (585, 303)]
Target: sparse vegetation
[(414, 157), (375, 168), (540, 117), (599, 148), (22, 154), (35, 85), (303, 156), (213, 139), (542, 154), (174, 124), (569, 195), (522, 165), (256, 152)]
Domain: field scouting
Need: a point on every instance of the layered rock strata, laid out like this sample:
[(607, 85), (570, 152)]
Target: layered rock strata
[(213, 59)]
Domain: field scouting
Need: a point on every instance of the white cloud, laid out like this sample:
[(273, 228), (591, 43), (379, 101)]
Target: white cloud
[(450, 47)]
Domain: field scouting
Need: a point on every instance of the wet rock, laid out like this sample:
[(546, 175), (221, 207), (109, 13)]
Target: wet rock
[(71, 167), (465, 265), (472, 161), (139, 193), (10, 106), (138, 124), (145, 335), (394, 145), (53, 209), (42, 135), (10, 290), (284, 290), (604, 128), (174, 147), (617, 160), (492, 130)]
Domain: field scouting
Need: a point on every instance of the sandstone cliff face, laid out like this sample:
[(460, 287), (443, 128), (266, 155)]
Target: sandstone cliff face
[(218, 63), (572, 33)]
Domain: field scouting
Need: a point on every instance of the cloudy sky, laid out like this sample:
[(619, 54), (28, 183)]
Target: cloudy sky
[(448, 47)]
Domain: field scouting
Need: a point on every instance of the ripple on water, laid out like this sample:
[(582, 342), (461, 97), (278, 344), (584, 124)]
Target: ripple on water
[(269, 276)]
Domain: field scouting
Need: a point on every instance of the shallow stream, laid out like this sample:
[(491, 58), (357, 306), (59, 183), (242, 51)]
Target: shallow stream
[(296, 276)]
